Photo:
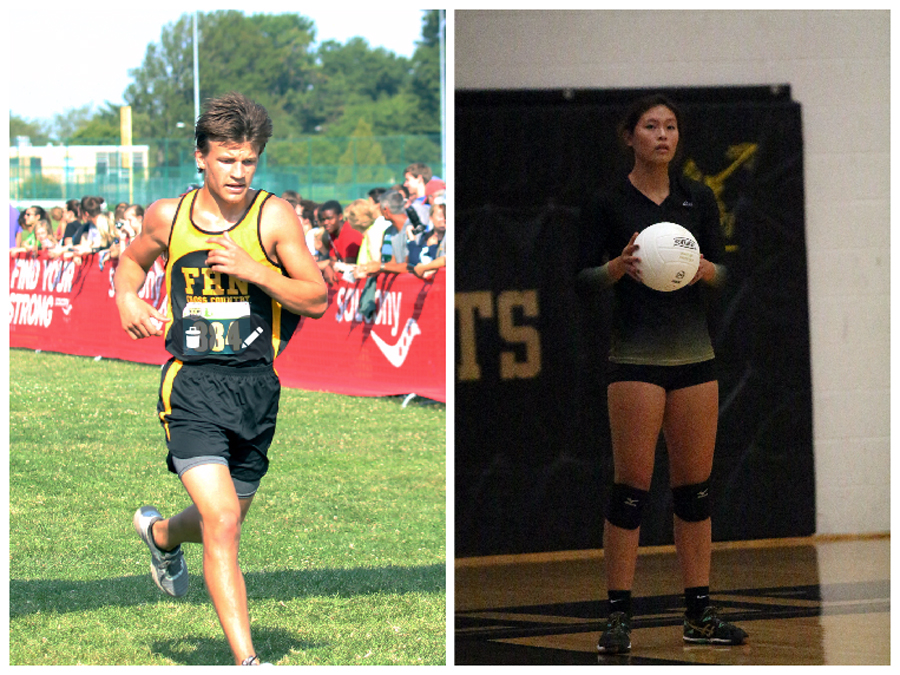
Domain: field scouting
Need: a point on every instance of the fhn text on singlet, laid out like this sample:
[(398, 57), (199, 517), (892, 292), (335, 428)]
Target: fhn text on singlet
[(217, 318)]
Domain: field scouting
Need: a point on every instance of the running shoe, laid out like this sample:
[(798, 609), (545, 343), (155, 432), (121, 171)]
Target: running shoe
[(249, 661), (616, 639), (711, 630), (168, 568)]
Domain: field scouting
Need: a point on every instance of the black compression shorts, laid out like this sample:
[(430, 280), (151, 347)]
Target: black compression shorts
[(667, 377)]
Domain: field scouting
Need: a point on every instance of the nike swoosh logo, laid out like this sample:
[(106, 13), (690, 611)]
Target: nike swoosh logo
[(396, 353)]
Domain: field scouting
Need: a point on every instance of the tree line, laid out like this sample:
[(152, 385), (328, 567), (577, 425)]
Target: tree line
[(335, 90)]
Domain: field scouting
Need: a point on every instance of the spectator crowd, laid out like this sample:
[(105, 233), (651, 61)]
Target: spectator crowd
[(392, 230), (77, 229)]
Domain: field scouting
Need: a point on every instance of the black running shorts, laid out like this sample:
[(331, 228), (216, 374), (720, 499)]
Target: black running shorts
[(219, 411), (667, 377)]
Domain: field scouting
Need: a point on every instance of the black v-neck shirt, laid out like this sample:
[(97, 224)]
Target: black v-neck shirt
[(651, 327)]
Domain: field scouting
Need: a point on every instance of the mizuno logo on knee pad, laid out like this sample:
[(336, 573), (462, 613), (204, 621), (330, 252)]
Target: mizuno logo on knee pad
[(626, 506), (691, 502)]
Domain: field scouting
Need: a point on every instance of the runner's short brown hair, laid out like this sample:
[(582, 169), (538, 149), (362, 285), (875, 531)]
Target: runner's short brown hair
[(233, 118)]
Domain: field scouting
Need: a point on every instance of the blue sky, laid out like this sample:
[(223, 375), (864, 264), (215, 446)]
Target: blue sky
[(68, 56)]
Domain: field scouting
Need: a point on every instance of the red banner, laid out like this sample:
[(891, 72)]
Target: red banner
[(69, 307)]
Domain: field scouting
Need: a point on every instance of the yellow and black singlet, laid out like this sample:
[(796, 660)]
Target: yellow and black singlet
[(216, 318)]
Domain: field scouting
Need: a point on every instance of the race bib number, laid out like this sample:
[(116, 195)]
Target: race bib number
[(220, 328)]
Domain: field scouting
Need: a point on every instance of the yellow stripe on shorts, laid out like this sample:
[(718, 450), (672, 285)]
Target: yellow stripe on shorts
[(166, 393)]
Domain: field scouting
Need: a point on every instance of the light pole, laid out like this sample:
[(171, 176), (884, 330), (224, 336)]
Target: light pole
[(441, 32), (196, 73)]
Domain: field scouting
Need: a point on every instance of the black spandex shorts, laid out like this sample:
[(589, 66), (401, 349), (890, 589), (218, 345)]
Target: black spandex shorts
[(218, 411), (667, 377)]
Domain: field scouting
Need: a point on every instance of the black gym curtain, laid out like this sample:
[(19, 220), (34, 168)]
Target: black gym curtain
[(532, 457)]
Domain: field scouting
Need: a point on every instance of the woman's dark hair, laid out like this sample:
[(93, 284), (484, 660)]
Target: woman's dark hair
[(375, 193), (91, 206), (74, 206), (42, 215), (309, 209), (635, 112), (233, 118)]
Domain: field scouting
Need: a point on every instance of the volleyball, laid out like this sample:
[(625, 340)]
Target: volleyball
[(669, 256)]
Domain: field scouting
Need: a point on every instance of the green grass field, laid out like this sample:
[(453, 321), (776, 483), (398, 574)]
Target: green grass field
[(344, 548)]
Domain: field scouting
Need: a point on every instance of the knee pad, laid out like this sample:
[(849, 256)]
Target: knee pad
[(691, 502), (626, 506)]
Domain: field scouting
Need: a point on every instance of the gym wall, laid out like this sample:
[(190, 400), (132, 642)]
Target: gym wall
[(832, 71)]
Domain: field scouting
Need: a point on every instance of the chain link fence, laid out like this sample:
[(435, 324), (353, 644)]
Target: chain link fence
[(318, 167)]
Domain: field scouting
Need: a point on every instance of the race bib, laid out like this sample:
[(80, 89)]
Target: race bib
[(220, 328)]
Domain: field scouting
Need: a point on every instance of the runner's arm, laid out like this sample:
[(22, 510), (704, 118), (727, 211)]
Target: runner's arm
[(303, 291)]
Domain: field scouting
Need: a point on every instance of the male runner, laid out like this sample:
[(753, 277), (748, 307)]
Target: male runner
[(238, 278)]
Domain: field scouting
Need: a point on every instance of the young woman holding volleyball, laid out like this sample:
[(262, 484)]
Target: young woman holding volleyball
[(661, 373)]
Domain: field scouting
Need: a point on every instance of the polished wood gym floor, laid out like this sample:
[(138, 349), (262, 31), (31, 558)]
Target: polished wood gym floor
[(803, 602)]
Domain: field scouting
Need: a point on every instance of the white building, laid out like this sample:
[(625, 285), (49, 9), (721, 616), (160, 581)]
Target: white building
[(75, 163)]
